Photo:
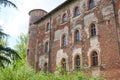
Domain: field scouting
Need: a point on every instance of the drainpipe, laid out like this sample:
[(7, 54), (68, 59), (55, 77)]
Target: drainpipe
[(50, 45), (116, 24)]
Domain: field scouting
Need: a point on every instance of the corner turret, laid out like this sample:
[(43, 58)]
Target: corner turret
[(36, 14)]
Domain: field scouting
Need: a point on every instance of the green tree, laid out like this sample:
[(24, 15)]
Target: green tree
[(7, 55), (21, 48), (7, 3), (21, 45)]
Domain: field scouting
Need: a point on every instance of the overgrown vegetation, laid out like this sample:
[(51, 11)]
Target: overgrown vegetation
[(27, 73), (22, 71), (7, 55)]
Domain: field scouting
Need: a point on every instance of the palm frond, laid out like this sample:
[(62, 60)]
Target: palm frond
[(8, 51), (7, 3), (2, 58)]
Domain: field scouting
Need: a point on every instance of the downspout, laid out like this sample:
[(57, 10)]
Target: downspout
[(50, 45), (116, 24)]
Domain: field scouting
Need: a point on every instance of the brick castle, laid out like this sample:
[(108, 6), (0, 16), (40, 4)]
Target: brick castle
[(78, 34)]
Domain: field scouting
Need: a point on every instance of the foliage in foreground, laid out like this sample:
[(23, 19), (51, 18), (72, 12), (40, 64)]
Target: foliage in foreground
[(22, 71), (7, 55), (27, 73)]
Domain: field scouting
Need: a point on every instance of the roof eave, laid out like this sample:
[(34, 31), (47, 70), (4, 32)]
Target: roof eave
[(54, 10)]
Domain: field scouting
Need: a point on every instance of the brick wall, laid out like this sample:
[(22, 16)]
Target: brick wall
[(105, 43)]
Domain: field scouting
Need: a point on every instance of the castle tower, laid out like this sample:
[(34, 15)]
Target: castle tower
[(35, 15)]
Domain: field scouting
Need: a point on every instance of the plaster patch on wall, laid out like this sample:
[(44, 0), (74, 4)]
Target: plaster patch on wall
[(119, 12), (119, 15), (60, 56), (82, 9), (98, 0), (94, 45), (44, 41), (94, 41), (106, 11), (58, 33), (79, 50), (96, 72), (79, 27), (42, 60), (88, 19)]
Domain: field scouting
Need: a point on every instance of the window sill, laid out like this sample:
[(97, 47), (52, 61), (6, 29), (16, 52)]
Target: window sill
[(76, 16), (64, 47), (63, 23), (47, 31), (94, 37), (90, 9), (78, 42), (98, 67), (46, 52)]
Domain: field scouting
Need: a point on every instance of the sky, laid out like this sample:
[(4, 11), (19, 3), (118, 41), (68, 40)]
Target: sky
[(15, 21)]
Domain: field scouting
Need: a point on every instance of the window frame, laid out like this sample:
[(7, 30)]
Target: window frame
[(77, 63), (76, 36), (93, 30), (94, 57), (64, 40), (76, 11), (64, 18), (48, 27), (91, 4)]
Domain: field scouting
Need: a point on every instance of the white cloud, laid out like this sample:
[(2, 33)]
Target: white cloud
[(1, 22)]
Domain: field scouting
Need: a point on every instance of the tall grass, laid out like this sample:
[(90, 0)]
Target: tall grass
[(27, 73)]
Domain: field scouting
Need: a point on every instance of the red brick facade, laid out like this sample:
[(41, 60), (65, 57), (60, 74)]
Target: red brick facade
[(103, 39)]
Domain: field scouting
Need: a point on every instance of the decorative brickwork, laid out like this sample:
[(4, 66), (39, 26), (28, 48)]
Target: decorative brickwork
[(98, 48)]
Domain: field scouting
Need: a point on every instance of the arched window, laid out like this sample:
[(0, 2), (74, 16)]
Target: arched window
[(48, 27), (77, 62), (91, 4), (94, 59), (45, 67), (64, 18), (77, 35), (93, 30), (46, 47), (76, 13), (64, 42), (63, 64)]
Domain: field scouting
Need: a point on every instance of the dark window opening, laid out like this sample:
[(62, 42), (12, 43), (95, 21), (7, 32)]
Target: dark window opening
[(91, 4), (45, 67), (77, 62), (76, 11), (94, 59), (64, 18), (63, 64), (93, 30), (46, 47), (48, 26), (77, 36), (64, 41)]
